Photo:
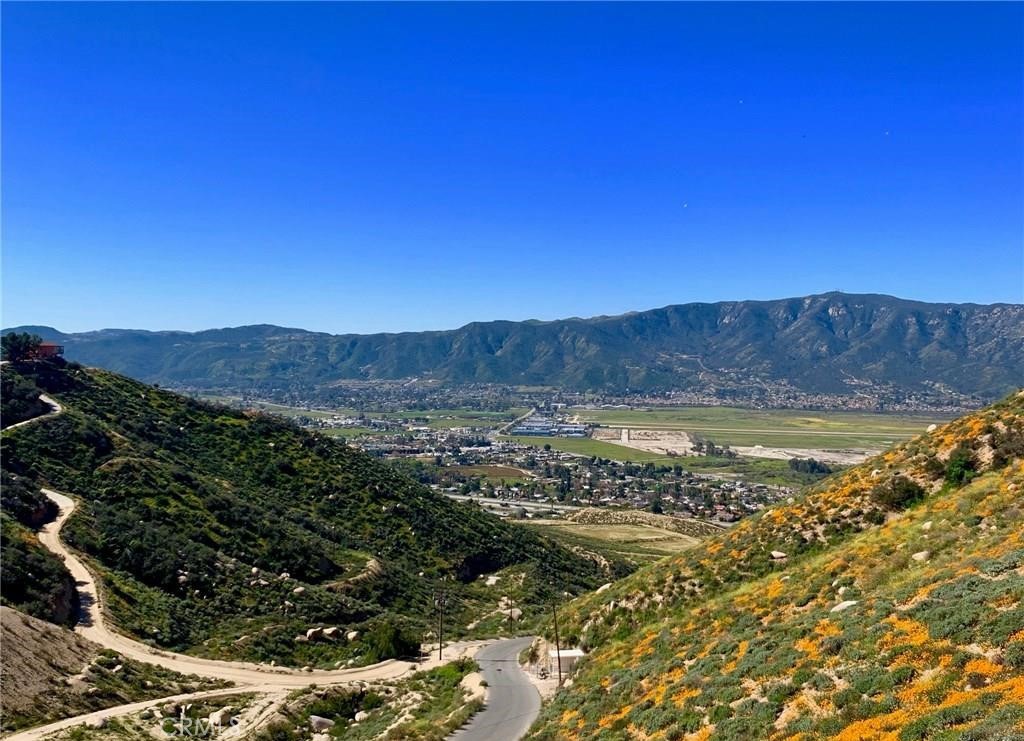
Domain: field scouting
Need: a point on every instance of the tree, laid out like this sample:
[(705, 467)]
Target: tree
[(19, 346)]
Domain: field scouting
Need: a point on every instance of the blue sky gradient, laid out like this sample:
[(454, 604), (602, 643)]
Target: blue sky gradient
[(357, 168)]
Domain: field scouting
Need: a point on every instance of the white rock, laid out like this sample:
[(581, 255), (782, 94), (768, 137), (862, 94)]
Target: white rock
[(351, 635), (844, 605), (299, 590), (604, 587), (96, 723), (932, 428), (319, 724), (220, 717), (254, 571), (927, 526), (778, 554), (313, 633), (321, 737), (921, 555), (841, 591), (361, 716), (332, 632)]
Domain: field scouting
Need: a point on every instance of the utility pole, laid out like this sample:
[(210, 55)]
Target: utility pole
[(558, 650), (440, 600)]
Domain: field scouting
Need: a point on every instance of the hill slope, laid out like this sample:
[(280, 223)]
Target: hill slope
[(49, 673), (227, 533), (892, 608), (825, 343)]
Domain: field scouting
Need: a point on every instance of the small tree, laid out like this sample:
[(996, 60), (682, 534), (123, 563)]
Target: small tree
[(19, 346)]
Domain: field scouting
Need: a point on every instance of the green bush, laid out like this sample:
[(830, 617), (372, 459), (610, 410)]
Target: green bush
[(897, 493), (961, 467)]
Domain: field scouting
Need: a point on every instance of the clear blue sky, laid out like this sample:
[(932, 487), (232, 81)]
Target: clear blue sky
[(348, 167)]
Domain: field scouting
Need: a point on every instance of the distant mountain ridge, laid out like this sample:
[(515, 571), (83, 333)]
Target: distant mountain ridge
[(825, 343)]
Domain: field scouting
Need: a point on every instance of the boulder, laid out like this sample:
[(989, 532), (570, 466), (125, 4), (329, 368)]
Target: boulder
[(927, 526), (332, 632), (320, 724), (351, 635), (921, 555), (932, 428), (220, 717), (96, 723), (361, 716), (299, 590), (778, 555), (313, 633), (604, 587)]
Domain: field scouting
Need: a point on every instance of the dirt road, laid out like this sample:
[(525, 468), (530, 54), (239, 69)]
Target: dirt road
[(248, 677)]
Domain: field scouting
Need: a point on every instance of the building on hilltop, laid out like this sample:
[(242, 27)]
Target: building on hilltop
[(47, 350)]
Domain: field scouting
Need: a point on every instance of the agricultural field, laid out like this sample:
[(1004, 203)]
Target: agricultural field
[(589, 447), (779, 428), (635, 543)]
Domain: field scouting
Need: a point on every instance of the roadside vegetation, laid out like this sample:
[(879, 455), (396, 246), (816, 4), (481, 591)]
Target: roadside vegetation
[(427, 706)]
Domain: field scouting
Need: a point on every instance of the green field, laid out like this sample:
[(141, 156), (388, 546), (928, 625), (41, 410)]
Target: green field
[(599, 448), (637, 543), (771, 427)]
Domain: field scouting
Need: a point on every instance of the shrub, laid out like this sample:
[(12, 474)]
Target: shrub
[(387, 640), (1014, 655), (897, 493), (960, 468)]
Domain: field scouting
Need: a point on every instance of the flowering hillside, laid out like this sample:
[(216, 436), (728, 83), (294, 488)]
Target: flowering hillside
[(885, 603)]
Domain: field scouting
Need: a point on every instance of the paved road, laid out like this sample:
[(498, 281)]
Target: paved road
[(513, 503), (512, 702)]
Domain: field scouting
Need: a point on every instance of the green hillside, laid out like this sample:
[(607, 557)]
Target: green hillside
[(228, 534), (892, 608)]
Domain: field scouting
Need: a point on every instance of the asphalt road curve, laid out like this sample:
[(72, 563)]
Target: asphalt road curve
[(512, 702)]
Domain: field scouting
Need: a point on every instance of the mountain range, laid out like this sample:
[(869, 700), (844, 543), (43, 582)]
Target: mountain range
[(832, 343)]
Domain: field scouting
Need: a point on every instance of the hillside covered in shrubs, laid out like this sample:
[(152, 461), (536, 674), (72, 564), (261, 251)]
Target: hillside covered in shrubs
[(229, 534), (885, 602)]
